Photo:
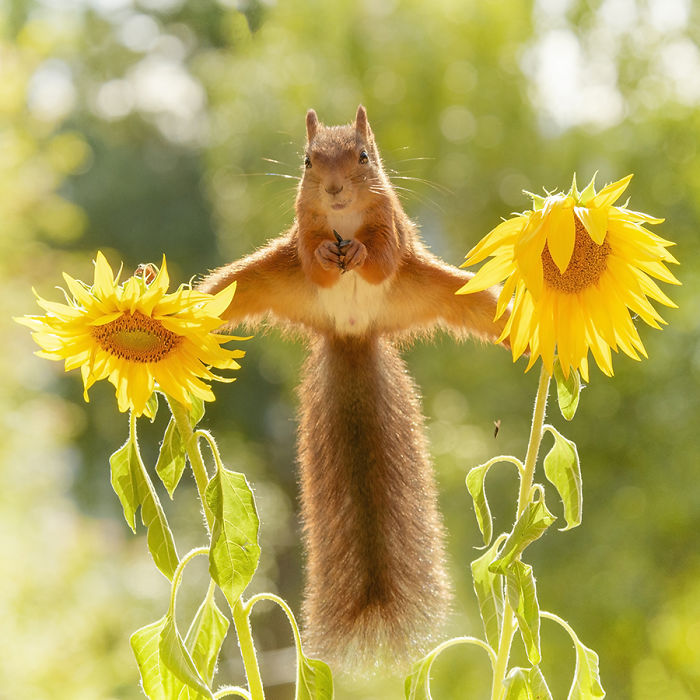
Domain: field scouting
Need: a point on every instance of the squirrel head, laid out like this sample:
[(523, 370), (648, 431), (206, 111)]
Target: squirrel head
[(342, 167)]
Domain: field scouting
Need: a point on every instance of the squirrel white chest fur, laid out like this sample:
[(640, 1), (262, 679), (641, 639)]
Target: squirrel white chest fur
[(352, 303)]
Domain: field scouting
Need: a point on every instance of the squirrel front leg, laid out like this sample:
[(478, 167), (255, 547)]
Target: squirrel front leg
[(270, 284), (423, 298)]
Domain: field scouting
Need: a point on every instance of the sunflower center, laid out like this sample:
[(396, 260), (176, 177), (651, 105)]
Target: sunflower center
[(587, 264), (137, 338)]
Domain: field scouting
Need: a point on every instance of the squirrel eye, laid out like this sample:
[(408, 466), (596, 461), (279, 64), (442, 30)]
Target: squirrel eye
[(307, 162), (364, 158)]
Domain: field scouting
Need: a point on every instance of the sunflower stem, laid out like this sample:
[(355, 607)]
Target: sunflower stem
[(505, 642), (241, 621), (199, 469)]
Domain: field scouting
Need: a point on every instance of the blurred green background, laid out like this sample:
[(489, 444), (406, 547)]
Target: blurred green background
[(147, 126)]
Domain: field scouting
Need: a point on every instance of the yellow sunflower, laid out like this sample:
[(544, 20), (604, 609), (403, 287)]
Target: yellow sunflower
[(137, 335), (575, 266)]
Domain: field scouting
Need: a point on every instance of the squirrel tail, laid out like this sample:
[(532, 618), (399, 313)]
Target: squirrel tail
[(376, 593)]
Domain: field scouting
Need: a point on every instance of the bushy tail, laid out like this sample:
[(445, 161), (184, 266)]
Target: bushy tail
[(377, 591)]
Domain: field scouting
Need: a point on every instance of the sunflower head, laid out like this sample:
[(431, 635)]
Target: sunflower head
[(576, 268), (137, 335)]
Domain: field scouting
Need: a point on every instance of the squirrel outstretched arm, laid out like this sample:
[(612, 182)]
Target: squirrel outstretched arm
[(273, 287), (354, 276)]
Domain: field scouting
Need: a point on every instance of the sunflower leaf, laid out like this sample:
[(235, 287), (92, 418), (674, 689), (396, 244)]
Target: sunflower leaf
[(314, 680), (522, 597), (517, 686), (178, 670), (417, 683), (526, 684), (133, 486), (196, 410), (568, 390), (234, 552), (530, 526), (144, 643), (151, 409), (205, 637), (586, 684), (159, 537), (488, 587), (475, 486), (563, 470), (127, 479), (171, 458)]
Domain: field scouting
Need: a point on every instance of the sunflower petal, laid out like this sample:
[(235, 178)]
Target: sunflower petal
[(561, 236), (610, 193), (595, 221)]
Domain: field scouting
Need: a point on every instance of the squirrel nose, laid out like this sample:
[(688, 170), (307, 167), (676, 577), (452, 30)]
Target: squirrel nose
[(334, 188)]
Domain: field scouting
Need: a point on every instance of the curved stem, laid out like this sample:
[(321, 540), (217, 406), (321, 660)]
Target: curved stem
[(178, 572), (232, 690), (241, 622), (562, 623), (194, 454), (465, 640), (524, 496), (287, 610)]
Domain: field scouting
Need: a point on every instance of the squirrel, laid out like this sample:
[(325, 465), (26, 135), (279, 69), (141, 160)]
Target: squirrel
[(354, 276)]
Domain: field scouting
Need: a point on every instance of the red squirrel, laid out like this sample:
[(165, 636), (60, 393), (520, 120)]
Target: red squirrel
[(354, 276)]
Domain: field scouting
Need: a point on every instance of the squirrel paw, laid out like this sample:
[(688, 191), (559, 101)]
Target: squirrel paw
[(353, 255), (327, 255)]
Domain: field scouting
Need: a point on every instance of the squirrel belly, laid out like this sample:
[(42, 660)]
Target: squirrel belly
[(354, 277), (377, 592), (353, 305)]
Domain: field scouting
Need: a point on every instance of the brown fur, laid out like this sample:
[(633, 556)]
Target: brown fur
[(376, 591)]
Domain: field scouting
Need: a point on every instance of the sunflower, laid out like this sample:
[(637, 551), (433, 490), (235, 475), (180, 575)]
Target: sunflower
[(575, 268), (137, 335)]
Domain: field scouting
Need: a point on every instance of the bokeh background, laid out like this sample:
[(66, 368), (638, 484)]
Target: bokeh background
[(147, 126)]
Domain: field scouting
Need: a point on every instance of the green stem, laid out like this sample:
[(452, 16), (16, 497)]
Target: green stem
[(241, 622), (178, 572), (238, 611), (194, 454), (524, 497), (533, 445), (287, 610), (232, 690)]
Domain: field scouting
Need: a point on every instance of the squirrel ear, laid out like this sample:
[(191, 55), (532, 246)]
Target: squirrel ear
[(311, 124), (361, 123)]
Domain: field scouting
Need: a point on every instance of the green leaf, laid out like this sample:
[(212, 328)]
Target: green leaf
[(197, 409), (488, 587), (475, 486), (177, 667), (529, 527), (417, 684), (517, 687), (562, 468), (234, 552), (568, 390), (127, 480), (586, 684), (522, 597), (144, 643), (526, 684), (171, 458), (314, 680), (132, 485), (151, 409), (205, 637), (159, 537), (538, 685)]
